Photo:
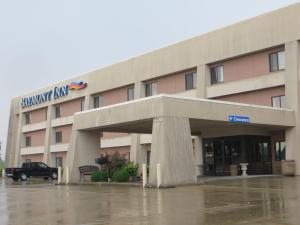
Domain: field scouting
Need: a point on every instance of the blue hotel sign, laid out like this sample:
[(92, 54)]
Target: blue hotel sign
[(239, 119), (55, 93)]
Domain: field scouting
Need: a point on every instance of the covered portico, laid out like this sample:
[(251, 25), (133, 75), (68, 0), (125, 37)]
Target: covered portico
[(171, 120)]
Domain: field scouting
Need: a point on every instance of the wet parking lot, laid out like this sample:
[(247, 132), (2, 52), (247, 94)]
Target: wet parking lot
[(273, 200)]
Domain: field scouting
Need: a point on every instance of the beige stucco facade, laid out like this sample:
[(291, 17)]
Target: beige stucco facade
[(173, 124)]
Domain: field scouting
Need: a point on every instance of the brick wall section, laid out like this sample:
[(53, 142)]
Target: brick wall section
[(70, 107), (38, 116), (34, 158), (260, 97), (37, 138), (252, 65), (66, 133)]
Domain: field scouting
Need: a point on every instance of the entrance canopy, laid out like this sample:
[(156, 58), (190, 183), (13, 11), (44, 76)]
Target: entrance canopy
[(171, 120), (137, 116)]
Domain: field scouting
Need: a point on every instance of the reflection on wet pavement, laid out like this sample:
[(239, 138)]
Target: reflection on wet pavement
[(252, 201)]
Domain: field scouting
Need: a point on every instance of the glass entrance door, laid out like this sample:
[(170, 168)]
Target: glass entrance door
[(219, 154)]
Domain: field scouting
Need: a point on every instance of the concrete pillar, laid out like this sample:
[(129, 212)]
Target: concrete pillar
[(139, 90), (203, 75), (292, 92), (83, 150), (172, 148), (20, 142), (12, 134), (88, 102), (137, 154), (48, 136), (198, 155)]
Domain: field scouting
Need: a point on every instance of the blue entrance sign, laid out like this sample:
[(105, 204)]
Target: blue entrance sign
[(239, 119)]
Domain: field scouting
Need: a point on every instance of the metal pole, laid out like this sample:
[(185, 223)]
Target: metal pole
[(59, 175), (158, 175), (144, 173), (67, 175)]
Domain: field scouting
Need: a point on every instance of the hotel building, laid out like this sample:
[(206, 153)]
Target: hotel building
[(196, 107)]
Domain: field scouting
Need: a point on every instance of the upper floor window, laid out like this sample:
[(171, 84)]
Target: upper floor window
[(151, 89), (57, 111), (277, 61), (58, 137), (27, 118), (98, 101), (28, 141), (190, 80), (130, 93), (217, 74), (278, 101), (81, 104), (279, 150)]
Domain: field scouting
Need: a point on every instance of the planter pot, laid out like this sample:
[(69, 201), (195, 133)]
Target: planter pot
[(288, 167), (233, 170)]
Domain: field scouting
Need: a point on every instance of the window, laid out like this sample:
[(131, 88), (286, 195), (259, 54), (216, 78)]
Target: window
[(151, 89), (81, 104), (217, 74), (190, 81), (58, 137), (279, 150), (27, 160), (27, 118), (130, 93), (42, 165), (46, 114), (97, 101), (57, 111), (278, 101), (277, 61), (28, 141), (58, 162), (261, 152)]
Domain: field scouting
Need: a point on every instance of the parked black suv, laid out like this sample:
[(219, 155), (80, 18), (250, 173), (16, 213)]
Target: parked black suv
[(31, 169)]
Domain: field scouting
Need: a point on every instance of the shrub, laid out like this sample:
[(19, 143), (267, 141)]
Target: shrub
[(0, 172), (132, 169), (121, 175), (99, 176), (117, 163)]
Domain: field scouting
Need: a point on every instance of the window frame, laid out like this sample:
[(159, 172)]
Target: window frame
[(281, 157), (128, 93), (82, 101), (58, 113), (277, 61), (28, 141), (213, 72), (150, 84), (27, 118), (280, 101), (193, 75), (58, 137), (100, 101)]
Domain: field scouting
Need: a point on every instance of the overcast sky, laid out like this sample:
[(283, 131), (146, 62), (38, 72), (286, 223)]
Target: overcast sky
[(42, 42)]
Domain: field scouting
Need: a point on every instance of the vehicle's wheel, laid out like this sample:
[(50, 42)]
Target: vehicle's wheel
[(23, 177), (15, 178), (54, 175)]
